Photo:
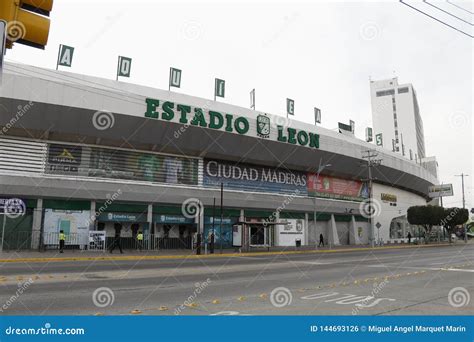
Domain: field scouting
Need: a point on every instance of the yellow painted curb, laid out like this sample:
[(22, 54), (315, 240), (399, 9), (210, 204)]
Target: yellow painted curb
[(230, 255)]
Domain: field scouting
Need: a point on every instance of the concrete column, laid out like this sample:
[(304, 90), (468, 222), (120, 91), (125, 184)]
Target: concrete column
[(149, 217), (245, 235), (333, 238), (199, 220), (36, 227), (92, 223), (306, 230), (275, 229), (354, 238)]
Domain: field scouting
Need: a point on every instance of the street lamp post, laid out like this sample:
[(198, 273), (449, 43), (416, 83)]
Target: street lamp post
[(320, 168)]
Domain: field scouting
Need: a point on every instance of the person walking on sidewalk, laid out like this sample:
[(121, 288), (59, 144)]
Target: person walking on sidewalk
[(116, 242), (321, 240), (409, 237), (140, 241), (62, 239)]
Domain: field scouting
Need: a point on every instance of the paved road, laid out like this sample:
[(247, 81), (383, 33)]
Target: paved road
[(382, 282)]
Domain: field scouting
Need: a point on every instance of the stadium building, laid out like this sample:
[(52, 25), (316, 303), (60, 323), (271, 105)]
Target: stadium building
[(90, 156)]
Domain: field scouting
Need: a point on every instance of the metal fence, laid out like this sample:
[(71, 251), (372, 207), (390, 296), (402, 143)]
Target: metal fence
[(27, 240)]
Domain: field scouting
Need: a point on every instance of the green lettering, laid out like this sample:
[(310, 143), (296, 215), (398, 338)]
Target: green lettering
[(291, 135), (281, 136), (151, 105), (313, 140), (198, 119), (228, 125), (168, 113), (185, 110), (212, 120), (302, 138), (239, 122)]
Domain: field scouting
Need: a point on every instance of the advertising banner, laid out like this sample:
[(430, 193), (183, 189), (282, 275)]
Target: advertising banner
[(337, 188), (97, 162), (442, 190), (253, 178), (289, 231)]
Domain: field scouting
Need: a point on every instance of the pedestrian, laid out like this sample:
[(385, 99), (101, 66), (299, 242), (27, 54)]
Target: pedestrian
[(62, 239), (321, 240), (116, 242), (140, 241), (409, 237)]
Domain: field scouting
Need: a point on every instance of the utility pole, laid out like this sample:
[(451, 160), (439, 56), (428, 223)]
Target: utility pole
[(369, 155), (462, 175)]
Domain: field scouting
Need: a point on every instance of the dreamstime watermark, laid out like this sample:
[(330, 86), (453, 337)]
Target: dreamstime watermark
[(369, 30), (103, 120), (105, 206), (192, 207), (46, 330), (288, 20), (192, 30), (370, 208), (459, 119), (450, 216), (281, 297), (279, 120), (284, 204), (21, 110), (103, 296), (182, 129), (21, 289), (378, 287), (14, 208), (199, 287), (15, 30), (458, 297)]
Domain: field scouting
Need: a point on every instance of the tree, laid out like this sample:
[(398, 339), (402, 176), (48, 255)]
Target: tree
[(426, 216), (454, 217)]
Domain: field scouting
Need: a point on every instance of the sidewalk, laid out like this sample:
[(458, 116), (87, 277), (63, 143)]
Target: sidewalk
[(77, 255)]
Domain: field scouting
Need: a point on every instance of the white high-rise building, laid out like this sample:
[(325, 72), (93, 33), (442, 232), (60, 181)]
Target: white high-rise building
[(396, 116)]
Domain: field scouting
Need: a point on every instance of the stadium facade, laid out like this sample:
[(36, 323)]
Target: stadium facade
[(91, 155)]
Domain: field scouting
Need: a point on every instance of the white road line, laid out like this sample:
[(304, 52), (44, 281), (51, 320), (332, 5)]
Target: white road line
[(312, 262), (456, 269), (425, 268)]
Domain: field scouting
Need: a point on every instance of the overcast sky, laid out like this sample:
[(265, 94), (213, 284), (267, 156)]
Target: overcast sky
[(318, 53)]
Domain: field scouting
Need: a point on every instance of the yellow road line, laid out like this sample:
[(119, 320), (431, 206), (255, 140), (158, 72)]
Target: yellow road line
[(230, 255)]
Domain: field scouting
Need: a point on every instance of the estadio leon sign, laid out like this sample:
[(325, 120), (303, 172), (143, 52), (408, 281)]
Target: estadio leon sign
[(195, 116)]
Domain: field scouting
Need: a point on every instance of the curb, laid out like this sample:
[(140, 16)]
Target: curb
[(207, 256)]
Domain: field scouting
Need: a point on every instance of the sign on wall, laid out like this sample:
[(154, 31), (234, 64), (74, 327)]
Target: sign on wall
[(63, 159), (253, 178), (337, 188), (204, 118), (289, 231)]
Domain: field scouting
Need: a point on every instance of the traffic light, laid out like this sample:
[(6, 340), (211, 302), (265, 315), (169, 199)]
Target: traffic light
[(27, 21)]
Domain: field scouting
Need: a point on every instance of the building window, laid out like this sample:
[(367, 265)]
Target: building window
[(385, 92), (403, 90)]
